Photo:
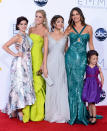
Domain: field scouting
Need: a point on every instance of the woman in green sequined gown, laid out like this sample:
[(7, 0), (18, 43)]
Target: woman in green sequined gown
[(75, 60)]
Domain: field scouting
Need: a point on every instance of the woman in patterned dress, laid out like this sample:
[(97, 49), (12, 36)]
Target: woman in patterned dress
[(21, 92)]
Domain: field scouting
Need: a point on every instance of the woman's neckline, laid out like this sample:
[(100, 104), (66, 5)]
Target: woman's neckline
[(37, 35), (57, 39), (79, 34)]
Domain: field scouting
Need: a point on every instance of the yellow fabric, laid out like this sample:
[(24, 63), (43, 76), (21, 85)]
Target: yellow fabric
[(35, 112)]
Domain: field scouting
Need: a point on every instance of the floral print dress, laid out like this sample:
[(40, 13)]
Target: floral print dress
[(21, 91)]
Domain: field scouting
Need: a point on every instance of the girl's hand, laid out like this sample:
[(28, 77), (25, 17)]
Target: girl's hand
[(45, 72), (102, 82), (19, 54)]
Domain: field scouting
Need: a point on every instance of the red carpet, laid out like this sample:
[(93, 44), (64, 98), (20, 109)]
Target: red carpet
[(7, 124)]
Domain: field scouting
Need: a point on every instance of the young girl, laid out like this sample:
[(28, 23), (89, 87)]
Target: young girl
[(92, 86), (21, 92)]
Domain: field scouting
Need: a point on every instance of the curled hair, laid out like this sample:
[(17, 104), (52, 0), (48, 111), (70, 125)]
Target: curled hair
[(82, 18), (19, 19), (45, 23), (53, 21), (91, 53)]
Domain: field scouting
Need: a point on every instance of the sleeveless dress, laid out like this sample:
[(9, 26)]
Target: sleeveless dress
[(21, 91), (92, 86), (56, 104), (75, 61), (36, 111)]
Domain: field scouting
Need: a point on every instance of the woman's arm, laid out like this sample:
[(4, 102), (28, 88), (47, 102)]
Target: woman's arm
[(66, 45), (91, 46), (30, 31), (45, 71), (9, 43), (45, 34), (67, 31)]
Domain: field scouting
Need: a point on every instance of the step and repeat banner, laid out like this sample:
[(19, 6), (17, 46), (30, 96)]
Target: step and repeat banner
[(95, 12)]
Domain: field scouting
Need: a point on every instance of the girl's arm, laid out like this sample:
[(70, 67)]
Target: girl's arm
[(11, 42), (45, 71), (101, 76), (91, 46)]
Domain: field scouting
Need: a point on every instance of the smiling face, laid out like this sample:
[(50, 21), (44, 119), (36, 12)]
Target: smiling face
[(23, 25), (75, 16), (93, 60), (39, 19), (59, 24)]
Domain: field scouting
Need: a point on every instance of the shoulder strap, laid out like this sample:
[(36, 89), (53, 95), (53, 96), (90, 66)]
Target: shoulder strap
[(82, 29), (75, 29)]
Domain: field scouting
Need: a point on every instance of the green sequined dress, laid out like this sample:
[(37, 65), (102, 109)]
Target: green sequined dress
[(76, 60)]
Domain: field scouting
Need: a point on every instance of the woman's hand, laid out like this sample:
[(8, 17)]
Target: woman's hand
[(45, 72), (19, 54), (41, 68)]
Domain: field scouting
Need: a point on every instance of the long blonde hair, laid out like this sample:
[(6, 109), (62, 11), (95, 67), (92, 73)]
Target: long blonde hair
[(45, 23)]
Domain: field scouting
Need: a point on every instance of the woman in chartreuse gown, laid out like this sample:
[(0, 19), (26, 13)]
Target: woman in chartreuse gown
[(75, 60), (37, 33)]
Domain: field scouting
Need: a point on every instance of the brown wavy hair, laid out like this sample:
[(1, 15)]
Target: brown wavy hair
[(82, 18), (53, 21)]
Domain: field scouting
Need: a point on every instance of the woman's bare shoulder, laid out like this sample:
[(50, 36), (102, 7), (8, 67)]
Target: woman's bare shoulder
[(89, 27)]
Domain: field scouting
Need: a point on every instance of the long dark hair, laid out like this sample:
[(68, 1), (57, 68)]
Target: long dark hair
[(19, 19), (91, 53), (53, 21), (82, 18)]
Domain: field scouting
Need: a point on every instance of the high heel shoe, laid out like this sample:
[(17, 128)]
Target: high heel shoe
[(93, 122), (90, 119), (13, 115), (20, 116)]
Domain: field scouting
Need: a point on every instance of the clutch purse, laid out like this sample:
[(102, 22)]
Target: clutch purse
[(39, 72), (102, 95), (48, 80)]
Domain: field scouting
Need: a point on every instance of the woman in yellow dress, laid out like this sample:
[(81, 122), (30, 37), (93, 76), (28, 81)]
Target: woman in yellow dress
[(37, 33)]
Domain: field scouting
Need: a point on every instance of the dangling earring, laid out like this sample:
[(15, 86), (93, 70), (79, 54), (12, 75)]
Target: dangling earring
[(44, 22), (81, 19), (63, 29), (73, 22)]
